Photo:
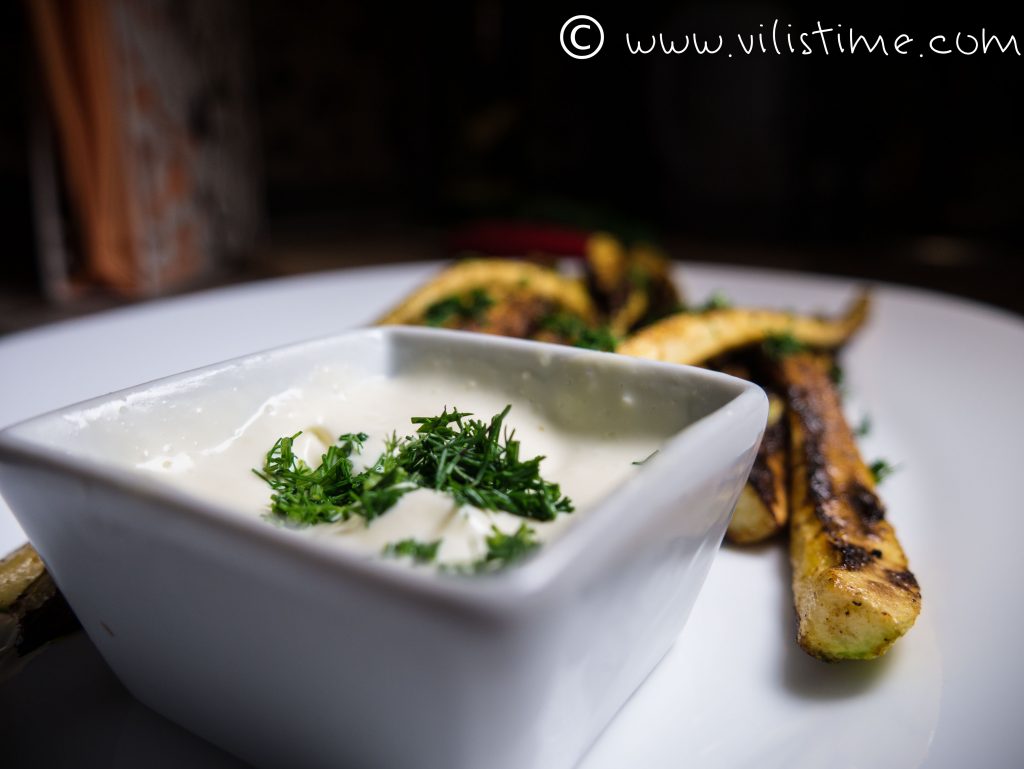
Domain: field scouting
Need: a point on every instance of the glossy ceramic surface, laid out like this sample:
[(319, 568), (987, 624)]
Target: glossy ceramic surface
[(939, 377), (255, 639)]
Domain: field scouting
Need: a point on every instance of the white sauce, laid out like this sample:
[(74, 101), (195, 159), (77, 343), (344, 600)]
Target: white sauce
[(212, 457)]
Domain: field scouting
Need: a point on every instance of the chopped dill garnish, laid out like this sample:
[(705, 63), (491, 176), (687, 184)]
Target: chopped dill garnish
[(717, 301), (469, 306), (331, 491), (837, 374), (577, 333), (505, 548), (779, 346), (864, 428), (420, 552), (476, 463), (646, 459), (502, 550), (881, 469)]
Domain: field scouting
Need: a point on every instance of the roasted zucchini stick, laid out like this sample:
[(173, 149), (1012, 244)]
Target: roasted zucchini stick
[(762, 509), (654, 270), (853, 592), (632, 286), (694, 338), (32, 610), (498, 278), (18, 570)]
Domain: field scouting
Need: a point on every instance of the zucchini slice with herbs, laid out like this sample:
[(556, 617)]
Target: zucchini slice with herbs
[(507, 298), (632, 287), (467, 293), (695, 337)]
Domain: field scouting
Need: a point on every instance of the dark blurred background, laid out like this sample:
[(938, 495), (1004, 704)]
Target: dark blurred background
[(382, 129)]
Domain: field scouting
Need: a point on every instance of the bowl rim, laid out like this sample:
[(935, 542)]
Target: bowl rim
[(505, 592)]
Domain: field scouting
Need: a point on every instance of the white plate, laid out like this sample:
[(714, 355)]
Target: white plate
[(941, 379)]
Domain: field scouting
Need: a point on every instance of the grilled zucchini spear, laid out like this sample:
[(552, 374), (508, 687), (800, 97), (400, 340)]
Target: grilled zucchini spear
[(495, 282), (694, 338), (32, 610), (853, 592), (762, 510), (506, 298), (632, 287)]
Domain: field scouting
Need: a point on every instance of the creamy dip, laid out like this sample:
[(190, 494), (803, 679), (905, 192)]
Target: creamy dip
[(210, 450)]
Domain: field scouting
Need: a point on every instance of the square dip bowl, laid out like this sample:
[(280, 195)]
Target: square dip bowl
[(294, 650)]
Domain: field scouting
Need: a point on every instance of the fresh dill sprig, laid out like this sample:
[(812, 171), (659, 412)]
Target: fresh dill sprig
[(881, 469), (576, 332), (330, 492), (864, 427), (503, 549), (717, 301), (778, 346), (420, 552), (469, 306), (479, 465), (476, 463), (837, 374)]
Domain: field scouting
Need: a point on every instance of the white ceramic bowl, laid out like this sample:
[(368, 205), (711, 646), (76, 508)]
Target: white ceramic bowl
[(290, 652)]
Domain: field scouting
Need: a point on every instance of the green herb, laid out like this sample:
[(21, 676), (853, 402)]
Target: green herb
[(717, 301), (420, 552), (469, 306), (639, 278), (331, 491), (778, 346), (881, 469), (474, 462), (864, 428), (577, 333), (504, 548), (646, 459), (836, 374)]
